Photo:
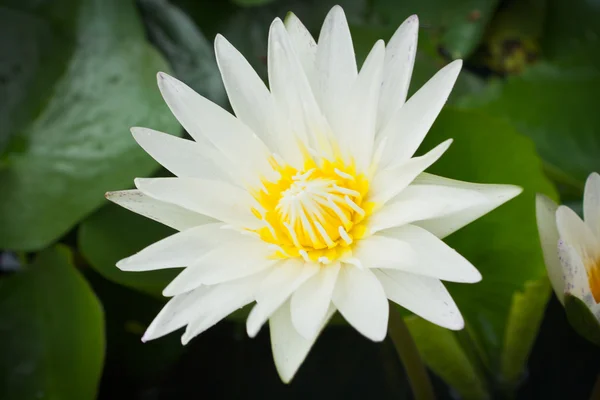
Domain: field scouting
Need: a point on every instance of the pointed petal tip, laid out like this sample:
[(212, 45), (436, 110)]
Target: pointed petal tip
[(337, 9), (149, 334), (410, 26), (446, 144), (137, 132), (509, 192), (379, 44), (161, 76), (277, 22), (285, 378), (290, 17), (140, 182), (455, 65), (221, 44), (185, 339), (170, 291), (122, 264), (517, 190), (592, 188), (541, 200), (475, 278), (379, 336), (252, 325), (458, 325), (165, 80), (562, 211), (252, 330)]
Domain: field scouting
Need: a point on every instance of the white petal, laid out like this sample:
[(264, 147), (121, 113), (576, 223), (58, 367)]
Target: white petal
[(359, 297), (591, 203), (304, 45), (378, 251), (399, 60), (178, 250), (423, 202), (576, 233), (546, 222), (409, 125), (279, 285), (574, 273), (310, 302), (253, 103), (220, 301), (184, 158), (236, 259), (354, 122), (292, 91), (215, 199), (178, 312), (336, 62), (288, 346), (206, 120), (495, 195), (392, 180), (427, 297), (166, 213), (435, 258)]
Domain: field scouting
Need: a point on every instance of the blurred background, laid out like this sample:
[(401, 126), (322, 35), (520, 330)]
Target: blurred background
[(76, 74)]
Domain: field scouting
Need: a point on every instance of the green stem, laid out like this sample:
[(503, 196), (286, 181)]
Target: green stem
[(596, 389), (410, 357)]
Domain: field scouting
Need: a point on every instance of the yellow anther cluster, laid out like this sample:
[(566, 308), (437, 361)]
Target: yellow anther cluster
[(314, 213)]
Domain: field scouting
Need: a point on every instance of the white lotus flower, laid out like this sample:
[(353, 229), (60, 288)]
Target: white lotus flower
[(309, 200), (571, 246)]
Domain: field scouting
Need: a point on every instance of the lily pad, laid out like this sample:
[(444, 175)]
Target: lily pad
[(503, 245), (113, 233), (556, 107), (189, 53), (75, 145), (51, 332)]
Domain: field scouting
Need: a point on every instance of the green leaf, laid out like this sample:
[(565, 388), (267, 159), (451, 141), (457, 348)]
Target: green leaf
[(30, 64), (503, 245), (76, 145), (447, 358), (458, 28), (524, 320), (51, 332), (556, 108), (113, 233), (251, 3), (572, 29), (582, 319), (190, 54)]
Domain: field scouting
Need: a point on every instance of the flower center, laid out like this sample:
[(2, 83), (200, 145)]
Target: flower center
[(314, 213), (592, 266)]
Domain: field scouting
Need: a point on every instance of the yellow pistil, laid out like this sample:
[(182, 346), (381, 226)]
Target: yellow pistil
[(315, 213), (592, 266)]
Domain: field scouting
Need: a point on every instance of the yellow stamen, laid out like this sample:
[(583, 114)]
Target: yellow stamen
[(592, 266), (316, 212)]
